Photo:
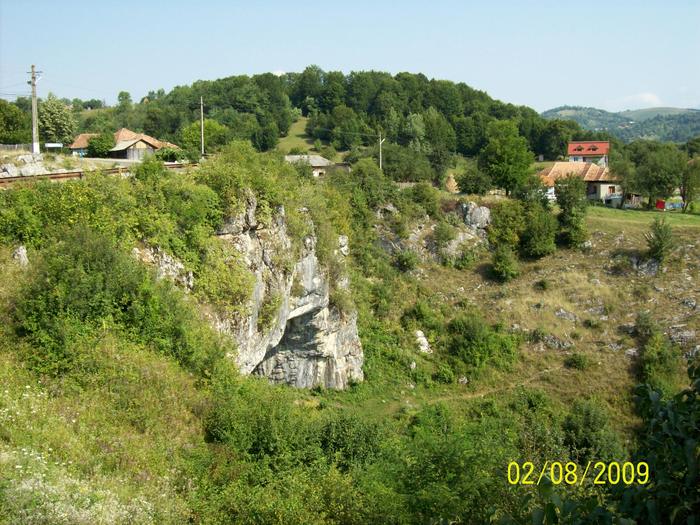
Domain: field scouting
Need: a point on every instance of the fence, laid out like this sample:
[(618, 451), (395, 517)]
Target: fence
[(15, 147)]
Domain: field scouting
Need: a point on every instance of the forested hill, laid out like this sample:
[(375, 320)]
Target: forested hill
[(434, 117), (665, 124)]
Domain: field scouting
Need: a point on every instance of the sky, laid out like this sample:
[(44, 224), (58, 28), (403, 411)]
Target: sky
[(613, 55)]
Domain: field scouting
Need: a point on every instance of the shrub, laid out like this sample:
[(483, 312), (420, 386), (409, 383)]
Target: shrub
[(589, 435), (504, 264), (443, 234), (474, 181), (572, 201), (542, 284), (444, 374), (577, 361), (100, 145), (405, 261), (537, 240), (507, 223), (85, 283), (659, 363), (660, 239), (426, 196), (475, 343)]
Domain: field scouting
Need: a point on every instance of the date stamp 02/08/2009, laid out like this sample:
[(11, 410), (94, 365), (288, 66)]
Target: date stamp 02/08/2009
[(570, 473)]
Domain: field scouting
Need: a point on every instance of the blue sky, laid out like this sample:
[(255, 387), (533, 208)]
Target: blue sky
[(614, 55)]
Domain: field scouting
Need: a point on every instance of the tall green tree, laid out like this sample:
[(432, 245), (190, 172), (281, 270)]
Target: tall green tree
[(506, 157), (15, 125), (56, 121), (659, 171), (215, 136), (690, 183), (571, 198)]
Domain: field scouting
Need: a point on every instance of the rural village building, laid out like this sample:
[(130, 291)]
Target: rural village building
[(128, 145), (601, 184), (587, 151), (319, 165)]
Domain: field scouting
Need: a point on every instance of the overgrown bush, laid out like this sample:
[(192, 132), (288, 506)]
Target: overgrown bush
[(589, 434), (660, 239), (100, 145), (537, 239), (507, 224), (474, 181), (572, 201), (84, 284), (405, 260), (577, 361), (660, 363), (475, 343), (504, 265)]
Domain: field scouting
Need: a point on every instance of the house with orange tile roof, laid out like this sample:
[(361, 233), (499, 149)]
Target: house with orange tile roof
[(128, 145), (601, 183)]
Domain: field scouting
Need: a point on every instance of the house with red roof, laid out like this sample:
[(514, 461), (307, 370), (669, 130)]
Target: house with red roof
[(589, 151), (128, 145)]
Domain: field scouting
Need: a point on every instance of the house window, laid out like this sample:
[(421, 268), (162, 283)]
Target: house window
[(611, 190)]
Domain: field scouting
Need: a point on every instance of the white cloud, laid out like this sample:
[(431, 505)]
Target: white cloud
[(636, 101)]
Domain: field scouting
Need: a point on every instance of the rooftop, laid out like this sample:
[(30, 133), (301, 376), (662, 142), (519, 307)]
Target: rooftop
[(581, 148), (587, 170), (313, 160)]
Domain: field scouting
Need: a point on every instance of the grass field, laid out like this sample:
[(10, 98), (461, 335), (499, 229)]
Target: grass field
[(296, 137)]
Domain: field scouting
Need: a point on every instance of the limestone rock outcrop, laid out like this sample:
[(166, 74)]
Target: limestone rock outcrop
[(291, 332)]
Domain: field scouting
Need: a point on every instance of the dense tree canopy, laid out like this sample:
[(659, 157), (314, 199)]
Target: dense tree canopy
[(506, 158)]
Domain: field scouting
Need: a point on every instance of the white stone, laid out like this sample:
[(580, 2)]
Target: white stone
[(423, 344), (20, 255)]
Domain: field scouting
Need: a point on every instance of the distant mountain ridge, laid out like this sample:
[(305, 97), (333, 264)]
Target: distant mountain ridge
[(663, 123)]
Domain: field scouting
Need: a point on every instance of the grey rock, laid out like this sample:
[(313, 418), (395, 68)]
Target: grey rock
[(595, 282), (690, 303), (30, 158), (564, 314), (614, 346), (20, 255), (692, 354), (631, 352), (555, 343), (476, 216), (463, 380), (343, 246), (587, 245), (308, 342), (166, 265), (412, 365), (649, 267), (31, 170), (9, 170), (680, 335)]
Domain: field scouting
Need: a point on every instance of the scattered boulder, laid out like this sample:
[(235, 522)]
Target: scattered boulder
[(475, 216), (614, 346), (423, 344), (555, 343), (343, 247), (649, 267), (680, 335), (690, 303), (631, 352), (20, 255), (564, 314), (8, 170), (692, 354), (413, 365), (463, 380)]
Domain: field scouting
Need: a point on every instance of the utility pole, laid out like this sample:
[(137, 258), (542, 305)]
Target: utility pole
[(201, 123), (381, 141), (35, 111)]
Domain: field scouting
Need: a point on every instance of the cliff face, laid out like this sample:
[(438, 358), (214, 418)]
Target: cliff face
[(291, 334)]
